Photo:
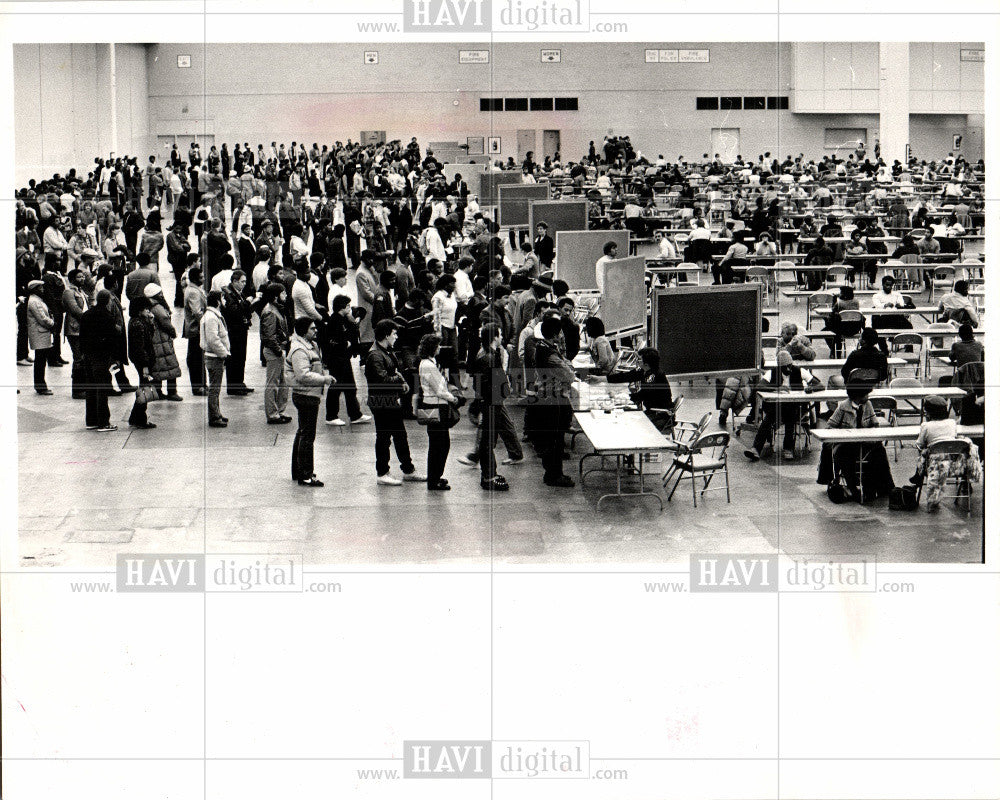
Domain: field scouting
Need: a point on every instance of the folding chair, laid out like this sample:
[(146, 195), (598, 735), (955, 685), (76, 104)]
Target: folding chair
[(885, 408), (851, 325), (814, 301), (685, 432), (704, 458), (943, 278), (952, 450), (759, 275), (835, 278), (911, 410), (915, 357)]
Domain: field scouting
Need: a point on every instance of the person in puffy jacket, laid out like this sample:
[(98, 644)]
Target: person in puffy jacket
[(305, 375)]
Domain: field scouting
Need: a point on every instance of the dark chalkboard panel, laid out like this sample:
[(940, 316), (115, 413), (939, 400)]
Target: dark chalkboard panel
[(514, 199), (559, 215), (707, 330), (489, 181)]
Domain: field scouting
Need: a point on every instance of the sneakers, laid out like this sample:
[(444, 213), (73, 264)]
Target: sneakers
[(25, 363), (338, 422), (513, 461), (466, 461), (107, 428), (363, 419), (388, 480), (414, 477), (313, 481)]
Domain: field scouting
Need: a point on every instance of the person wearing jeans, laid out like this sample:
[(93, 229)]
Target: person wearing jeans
[(304, 373), (273, 344), (341, 341), (195, 302), (40, 326), (215, 345), (386, 385), (434, 392)]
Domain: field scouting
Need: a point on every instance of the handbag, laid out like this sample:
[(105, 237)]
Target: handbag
[(146, 393)]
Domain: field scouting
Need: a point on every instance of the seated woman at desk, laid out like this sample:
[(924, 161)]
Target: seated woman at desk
[(856, 412), (651, 391), (765, 247), (819, 255), (845, 302), (600, 347), (786, 374), (938, 426)]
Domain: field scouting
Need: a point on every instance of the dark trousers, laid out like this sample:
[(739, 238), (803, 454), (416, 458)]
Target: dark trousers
[(553, 420), (438, 445), (389, 427), (22, 331), (236, 364), (77, 370), (789, 414), (343, 376), (196, 361), (178, 291), (305, 436), (496, 423), (55, 352), (215, 367), (41, 359), (97, 388), (138, 416)]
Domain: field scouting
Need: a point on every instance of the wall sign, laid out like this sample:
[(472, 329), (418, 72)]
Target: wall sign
[(676, 56), (183, 62), (693, 56), (973, 55), (551, 56), (494, 145), (473, 56), (371, 56)]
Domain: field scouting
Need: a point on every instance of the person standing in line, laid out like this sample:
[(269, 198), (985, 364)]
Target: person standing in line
[(97, 334), (274, 341), (142, 355), (165, 365), (493, 389), (340, 346), (195, 303), (555, 374), (40, 324), (386, 387), (238, 313), (304, 372), (75, 305), (434, 394), (214, 338)]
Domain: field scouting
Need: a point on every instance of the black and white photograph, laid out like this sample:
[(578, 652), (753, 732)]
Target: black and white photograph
[(567, 398)]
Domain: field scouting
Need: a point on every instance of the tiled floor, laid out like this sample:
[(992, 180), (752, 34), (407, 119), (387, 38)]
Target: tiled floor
[(84, 496)]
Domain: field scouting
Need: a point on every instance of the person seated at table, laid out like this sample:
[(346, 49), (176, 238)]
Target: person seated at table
[(938, 426), (870, 354), (855, 252), (927, 245), (765, 247), (651, 391), (955, 306), (846, 301), (665, 248), (807, 228), (966, 349), (600, 347), (723, 272), (794, 343), (856, 412), (834, 230), (785, 375), (699, 249), (819, 255), (953, 228), (889, 297)]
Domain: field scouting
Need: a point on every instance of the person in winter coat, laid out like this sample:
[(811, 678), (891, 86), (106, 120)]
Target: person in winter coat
[(195, 303), (304, 373), (165, 364), (340, 345), (142, 354), (74, 302), (40, 326), (98, 332), (214, 338), (273, 345), (177, 256)]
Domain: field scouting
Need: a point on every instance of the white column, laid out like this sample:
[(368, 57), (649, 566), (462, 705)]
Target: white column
[(894, 100), (114, 98)]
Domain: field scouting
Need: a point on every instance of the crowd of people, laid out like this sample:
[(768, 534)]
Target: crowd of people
[(448, 314)]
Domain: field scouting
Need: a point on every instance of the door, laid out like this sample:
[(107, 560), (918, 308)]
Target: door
[(550, 144), (372, 137), (525, 143), (726, 142)]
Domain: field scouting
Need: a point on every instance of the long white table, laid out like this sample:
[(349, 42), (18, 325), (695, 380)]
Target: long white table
[(618, 434), (886, 433), (828, 363), (835, 395)]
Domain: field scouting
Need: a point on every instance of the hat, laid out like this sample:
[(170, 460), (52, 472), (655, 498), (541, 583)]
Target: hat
[(784, 358), (935, 403), (34, 284), (152, 289)]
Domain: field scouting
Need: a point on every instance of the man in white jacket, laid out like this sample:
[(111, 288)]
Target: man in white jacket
[(215, 342)]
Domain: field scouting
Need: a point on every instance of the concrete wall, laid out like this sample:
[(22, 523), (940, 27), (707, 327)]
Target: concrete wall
[(62, 106)]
